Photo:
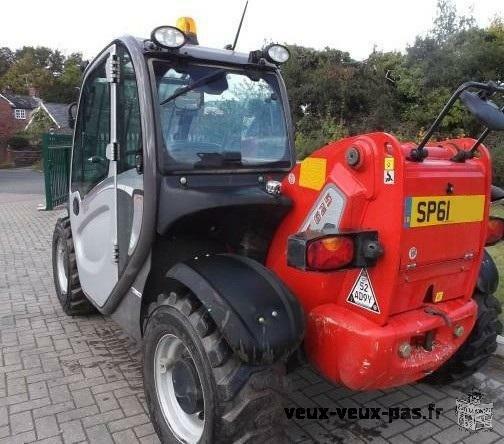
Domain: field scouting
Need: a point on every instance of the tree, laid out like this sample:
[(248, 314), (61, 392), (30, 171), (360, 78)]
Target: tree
[(448, 22), (6, 60), (331, 94), (26, 72), (54, 76)]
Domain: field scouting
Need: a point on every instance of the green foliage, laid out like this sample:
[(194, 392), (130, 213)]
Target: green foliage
[(448, 22), (41, 123), (312, 132), (497, 253), (498, 166), (53, 75), (495, 143), (6, 60), (18, 142), (332, 95)]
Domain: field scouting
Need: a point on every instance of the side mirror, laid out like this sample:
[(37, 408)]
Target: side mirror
[(487, 112), (72, 113)]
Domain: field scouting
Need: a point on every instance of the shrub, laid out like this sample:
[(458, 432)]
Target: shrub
[(18, 142), (498, 166), (496, 145), (313, 132)]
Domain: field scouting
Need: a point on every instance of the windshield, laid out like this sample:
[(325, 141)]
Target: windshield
[(220, 118)]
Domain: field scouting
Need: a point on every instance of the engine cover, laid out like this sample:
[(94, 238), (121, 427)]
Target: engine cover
[(430, 218)]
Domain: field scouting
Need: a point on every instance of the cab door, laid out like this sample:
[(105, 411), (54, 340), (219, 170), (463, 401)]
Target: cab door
[(129, 165), (93, 192)]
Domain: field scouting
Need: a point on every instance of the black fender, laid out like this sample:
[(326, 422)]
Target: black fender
[(255, 312), (488, 278)]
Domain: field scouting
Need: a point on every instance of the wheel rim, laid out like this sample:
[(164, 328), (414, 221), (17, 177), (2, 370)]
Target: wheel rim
[(185, 426), (61, 266)]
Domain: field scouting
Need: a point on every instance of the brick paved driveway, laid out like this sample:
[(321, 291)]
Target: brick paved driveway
[(75, 380)]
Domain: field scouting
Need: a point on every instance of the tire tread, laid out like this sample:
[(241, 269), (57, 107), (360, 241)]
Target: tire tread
[(479, 346), (250, 398), (73, 301)]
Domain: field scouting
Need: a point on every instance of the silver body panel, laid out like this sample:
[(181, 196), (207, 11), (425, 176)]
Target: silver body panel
[(94, 227), (93, 230)]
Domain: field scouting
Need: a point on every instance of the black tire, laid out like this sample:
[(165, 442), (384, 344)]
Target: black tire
[(243, 404), (71, 298), (479, 346)]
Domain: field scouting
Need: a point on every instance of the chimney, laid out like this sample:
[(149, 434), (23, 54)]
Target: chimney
[(32, 91)]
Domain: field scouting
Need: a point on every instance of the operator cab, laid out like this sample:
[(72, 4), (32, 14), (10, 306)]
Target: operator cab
[(177, 158), (174, 137)]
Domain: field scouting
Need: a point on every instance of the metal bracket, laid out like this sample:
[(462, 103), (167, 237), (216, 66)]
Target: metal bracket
[(113, 69), (113, 151), (139, 163), (436, 312), (115, 253)]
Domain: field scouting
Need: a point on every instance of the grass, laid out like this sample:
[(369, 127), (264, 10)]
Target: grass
[(497, 252)]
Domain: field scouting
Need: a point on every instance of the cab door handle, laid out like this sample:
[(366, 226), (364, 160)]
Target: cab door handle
[(96, 159)]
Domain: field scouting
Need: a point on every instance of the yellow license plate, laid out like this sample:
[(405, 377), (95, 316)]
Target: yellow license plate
[(441, 210)]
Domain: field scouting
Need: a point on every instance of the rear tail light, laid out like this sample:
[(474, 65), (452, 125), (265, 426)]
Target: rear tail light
[(495, 231), (330, 250), (330, 253)]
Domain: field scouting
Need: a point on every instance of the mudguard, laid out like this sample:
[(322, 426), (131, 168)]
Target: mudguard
[(488, 278), (257, 315)]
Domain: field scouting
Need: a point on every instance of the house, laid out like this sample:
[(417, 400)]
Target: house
[(18, 113), (58, 114), (15, 113)]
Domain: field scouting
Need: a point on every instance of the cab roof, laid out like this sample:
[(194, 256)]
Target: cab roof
[(198, 52)]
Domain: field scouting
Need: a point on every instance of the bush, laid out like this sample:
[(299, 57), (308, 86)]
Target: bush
[(307, 144), (313, 132), (496, 146), (18, 142), (498, 170)]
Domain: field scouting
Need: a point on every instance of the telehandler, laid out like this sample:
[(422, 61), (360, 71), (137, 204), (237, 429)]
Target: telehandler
[(191, 224)]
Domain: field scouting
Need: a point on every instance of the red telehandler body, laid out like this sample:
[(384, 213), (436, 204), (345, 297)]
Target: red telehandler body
[(398, 320)]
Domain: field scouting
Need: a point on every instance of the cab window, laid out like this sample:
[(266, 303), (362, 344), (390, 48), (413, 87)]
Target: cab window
[(92, 132), (129, 129), (220, 118)]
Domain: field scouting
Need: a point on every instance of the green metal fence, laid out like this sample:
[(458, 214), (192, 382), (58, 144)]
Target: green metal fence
[(56, 153)]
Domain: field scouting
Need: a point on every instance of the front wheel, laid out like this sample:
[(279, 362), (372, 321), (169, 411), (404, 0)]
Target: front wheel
[(66, 277), (479, 346), (196, 389)]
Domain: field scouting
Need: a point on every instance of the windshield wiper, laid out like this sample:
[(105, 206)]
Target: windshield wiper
[(203, 81)]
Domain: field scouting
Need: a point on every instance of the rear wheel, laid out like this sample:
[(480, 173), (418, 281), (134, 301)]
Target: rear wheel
[(479, 346), (66, 276), (196, 389)]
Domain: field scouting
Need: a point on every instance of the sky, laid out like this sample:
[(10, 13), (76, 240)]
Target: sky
[(355, 26)]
